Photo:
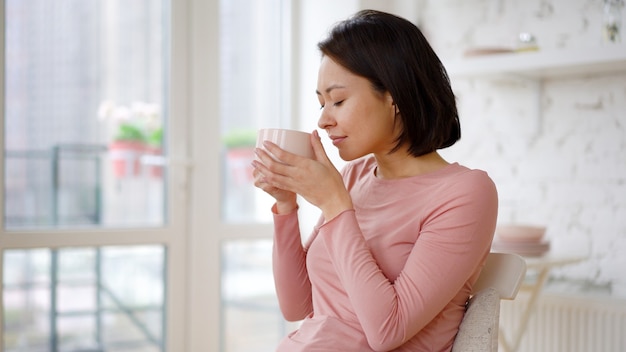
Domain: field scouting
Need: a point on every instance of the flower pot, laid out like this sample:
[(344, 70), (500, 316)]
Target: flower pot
[(125, 157), (238, 162), (155, 169)]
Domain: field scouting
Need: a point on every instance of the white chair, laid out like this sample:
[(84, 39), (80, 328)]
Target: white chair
[(500, 278)]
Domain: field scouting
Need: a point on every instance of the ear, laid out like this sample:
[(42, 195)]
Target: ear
[(392, 103), (389, 99)]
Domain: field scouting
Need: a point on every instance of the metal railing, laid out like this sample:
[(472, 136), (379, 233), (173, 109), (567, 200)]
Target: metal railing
[(54, 185), (46, 185)]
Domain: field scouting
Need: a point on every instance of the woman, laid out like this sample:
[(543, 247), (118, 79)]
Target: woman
[(403, 233)]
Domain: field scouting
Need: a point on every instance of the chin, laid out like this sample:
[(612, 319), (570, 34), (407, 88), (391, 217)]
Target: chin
[(345, 156)]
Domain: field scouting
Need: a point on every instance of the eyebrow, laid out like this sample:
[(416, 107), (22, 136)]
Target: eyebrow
[(329, 89)]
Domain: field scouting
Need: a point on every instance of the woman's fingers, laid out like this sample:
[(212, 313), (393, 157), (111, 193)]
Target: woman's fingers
[(274, 160), (318, 148), (261, 182), (276, 153), (272, 173)]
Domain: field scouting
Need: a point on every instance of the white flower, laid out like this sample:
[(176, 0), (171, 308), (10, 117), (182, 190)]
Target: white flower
[(142, 116), (105, 110)]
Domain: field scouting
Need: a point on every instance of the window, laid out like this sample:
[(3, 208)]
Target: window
[(75, 299), (84, 111), (254, 81), (87, 230)]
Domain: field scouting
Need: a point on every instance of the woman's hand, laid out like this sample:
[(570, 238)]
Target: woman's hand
[(286, 201), (316, 180)]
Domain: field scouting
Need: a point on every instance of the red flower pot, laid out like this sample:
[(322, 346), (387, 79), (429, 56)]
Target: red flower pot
[(125, 157), (238, 161)]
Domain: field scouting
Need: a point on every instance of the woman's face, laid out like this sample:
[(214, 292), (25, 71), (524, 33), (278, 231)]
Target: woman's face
[(358, 119)]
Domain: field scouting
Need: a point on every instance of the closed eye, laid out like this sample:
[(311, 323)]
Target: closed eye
[(334, 104)]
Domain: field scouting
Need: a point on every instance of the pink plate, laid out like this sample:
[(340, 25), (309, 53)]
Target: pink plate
[(520, 233)]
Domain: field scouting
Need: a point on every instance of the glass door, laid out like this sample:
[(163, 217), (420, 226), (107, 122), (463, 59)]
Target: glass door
[(90, 233)]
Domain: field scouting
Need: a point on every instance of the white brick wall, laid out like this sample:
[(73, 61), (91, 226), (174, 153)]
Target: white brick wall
[(563, 165)]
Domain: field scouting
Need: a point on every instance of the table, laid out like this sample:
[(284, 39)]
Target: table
[(542, 265)]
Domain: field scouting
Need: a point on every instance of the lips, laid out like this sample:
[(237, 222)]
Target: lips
[(337, 139)]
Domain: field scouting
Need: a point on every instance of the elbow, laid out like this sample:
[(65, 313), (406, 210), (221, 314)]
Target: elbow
[(378, 348), (295, 313), (382, 345), (293, 308), (380, 341), (293, 317)]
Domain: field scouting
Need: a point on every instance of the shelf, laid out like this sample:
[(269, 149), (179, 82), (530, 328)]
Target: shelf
[(543, 64)]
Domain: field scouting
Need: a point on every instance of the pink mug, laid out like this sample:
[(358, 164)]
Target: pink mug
[(296, 142)]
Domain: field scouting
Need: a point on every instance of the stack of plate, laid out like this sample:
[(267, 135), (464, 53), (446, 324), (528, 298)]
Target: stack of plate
[(524, 240)]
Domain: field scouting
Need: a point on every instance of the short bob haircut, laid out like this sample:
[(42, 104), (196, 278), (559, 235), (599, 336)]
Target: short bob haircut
[(393, 54)]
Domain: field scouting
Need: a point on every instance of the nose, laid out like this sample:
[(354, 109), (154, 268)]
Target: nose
[(325, 121)]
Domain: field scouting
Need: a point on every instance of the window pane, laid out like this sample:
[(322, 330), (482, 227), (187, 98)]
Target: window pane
[(253, 95), (248, 298), (84, 299), (85, 104)]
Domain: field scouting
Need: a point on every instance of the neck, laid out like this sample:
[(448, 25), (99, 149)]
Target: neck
[(401, 164)]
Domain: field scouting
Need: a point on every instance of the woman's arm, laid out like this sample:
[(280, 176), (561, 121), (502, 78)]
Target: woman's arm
[(451, 247), (291, 279)]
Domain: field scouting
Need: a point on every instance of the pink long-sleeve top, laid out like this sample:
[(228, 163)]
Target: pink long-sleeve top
[(394, 273)]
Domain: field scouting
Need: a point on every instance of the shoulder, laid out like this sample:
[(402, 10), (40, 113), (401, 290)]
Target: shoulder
[(474, 177), (475, 183), (470, 175)]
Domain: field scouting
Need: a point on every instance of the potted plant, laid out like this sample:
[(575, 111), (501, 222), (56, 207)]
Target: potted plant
[(239, 145), (134, 131)]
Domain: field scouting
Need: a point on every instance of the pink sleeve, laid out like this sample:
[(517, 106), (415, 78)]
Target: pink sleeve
[(451, 247), (291, 279)]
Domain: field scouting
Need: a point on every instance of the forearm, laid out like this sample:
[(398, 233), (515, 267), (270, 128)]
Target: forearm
[(293, 287)]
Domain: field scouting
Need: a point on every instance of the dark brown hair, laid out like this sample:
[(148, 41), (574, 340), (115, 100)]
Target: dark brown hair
[(393, 54)]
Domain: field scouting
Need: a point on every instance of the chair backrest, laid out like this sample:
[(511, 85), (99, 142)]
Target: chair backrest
[(500, 278), (503, 271)]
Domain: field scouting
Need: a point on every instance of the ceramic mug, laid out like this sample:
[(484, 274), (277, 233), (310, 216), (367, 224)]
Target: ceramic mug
[(296, 142)]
